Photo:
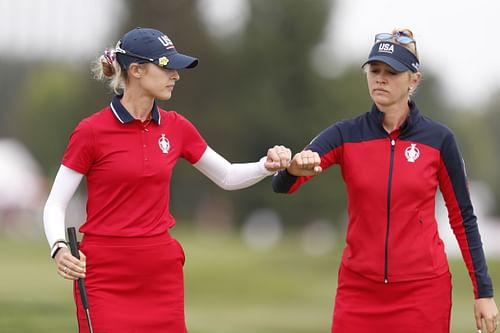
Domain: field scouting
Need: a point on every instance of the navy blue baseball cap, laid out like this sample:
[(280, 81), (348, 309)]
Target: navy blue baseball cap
[(398, 57), (142, 45)]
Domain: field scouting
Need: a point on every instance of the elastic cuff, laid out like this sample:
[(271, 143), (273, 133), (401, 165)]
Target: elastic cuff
[(57, 246), (262, 163)]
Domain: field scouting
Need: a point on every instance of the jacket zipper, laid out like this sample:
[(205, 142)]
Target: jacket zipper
[(386, 255)]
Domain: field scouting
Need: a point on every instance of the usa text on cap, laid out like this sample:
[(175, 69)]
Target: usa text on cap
[(398, 57), (149, 45)]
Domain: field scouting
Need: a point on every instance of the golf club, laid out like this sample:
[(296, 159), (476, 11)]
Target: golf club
[(73, 245)]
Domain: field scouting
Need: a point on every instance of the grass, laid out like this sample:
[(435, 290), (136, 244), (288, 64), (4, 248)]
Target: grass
[(229, 288)]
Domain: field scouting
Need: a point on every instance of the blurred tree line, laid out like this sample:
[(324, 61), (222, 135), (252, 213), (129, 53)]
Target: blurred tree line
[(249, 92)]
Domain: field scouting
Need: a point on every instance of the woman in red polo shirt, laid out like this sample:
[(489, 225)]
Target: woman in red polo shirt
[(132, 266)]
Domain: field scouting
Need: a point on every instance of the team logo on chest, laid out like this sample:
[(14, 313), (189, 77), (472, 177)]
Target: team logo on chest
[(164, 144), (412, 153)]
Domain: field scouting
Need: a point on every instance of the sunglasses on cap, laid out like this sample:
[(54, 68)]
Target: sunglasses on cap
[(399, 37), (118, 49)]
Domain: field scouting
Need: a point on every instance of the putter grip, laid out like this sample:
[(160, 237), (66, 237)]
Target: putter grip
[(73, 245)]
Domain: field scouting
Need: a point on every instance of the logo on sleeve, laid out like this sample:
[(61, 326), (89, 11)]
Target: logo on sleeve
[(164, 144), (412, 153)]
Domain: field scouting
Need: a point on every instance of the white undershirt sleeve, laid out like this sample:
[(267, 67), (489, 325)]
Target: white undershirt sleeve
[(54, 212), (226, 175), (231, 176)]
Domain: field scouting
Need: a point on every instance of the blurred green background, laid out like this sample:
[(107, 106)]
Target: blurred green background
[(229, 288), (256, 261)]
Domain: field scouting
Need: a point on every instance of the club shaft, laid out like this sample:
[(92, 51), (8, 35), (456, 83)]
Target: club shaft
[(87, 314), (73, 245), (83, 294)]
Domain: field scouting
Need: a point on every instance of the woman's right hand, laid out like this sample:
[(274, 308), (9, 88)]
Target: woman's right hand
[(305, 163), (68, 266), (278, 158)]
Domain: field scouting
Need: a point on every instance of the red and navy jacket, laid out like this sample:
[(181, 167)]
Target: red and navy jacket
[(391, 182)]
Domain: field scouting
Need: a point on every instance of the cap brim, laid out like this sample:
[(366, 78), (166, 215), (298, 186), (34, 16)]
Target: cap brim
[(181, 61), (395, 65)]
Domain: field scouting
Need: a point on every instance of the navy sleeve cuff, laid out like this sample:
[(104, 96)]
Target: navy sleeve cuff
[(283, 181)]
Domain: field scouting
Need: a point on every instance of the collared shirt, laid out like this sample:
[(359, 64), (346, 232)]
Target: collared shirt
[(128, 166), (125, 117)]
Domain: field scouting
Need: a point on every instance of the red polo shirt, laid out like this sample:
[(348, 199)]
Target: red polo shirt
[(128, 165)]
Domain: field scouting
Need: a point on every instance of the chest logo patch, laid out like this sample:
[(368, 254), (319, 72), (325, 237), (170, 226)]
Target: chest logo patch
[(412, 153), (164, 144)]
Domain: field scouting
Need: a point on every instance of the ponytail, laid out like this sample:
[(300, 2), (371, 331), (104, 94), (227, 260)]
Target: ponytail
[(106, 68)]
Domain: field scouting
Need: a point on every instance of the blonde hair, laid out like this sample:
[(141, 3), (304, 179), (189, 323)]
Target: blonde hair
[(412, 47), (106, 68)]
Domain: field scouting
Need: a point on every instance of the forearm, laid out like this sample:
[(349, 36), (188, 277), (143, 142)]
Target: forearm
[(231, 176), (54, 212), (454, 187)]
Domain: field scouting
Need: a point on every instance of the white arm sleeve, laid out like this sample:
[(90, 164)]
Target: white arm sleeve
[(231, 176), (54, 212)]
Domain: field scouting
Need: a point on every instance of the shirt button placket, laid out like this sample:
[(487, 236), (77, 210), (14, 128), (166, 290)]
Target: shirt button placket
[(144, 139)]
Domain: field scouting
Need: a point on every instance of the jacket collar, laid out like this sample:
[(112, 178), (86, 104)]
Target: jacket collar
[(413, 117)]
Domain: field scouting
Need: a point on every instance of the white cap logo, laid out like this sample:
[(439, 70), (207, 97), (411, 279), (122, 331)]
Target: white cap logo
[(386, 48), (166, 41)]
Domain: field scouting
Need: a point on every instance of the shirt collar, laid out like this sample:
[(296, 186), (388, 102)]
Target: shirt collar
[(125, 117)]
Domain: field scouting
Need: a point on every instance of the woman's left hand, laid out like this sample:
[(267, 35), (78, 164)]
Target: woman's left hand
[(486, 308), (278, 158)]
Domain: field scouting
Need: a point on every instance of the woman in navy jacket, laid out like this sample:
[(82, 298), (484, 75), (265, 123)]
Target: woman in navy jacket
[(394, 274)]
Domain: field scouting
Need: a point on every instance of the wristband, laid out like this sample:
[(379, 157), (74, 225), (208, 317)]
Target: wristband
[(59, 244)]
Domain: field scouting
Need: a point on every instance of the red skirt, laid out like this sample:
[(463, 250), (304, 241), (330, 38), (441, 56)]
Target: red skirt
[(363, 305), (134, 285)]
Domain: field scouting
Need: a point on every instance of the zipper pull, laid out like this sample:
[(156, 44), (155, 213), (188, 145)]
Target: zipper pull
[(393, 142), (386, 281)]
